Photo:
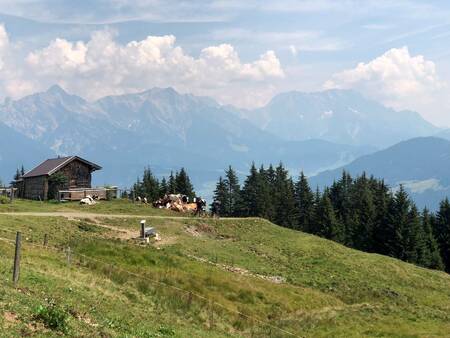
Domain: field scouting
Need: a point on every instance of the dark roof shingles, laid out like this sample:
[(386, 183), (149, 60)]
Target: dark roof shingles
[(46, 167)]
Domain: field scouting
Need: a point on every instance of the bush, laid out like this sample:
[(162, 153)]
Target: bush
[(52, 316), (4, 200)]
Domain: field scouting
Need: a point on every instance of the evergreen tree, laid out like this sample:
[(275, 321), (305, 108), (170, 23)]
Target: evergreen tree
[(326, 224), (442, 232), (362, 216), (396, 224), (284, 199), (220, 199), (249, 194), (265, 198), (150, 185), (17, 175), (183, 184), (414, 238), (304, 198), (22, 171), (431, 257), (342, 204), (382, 199), (172, 186), (233, 192), (163, 187)]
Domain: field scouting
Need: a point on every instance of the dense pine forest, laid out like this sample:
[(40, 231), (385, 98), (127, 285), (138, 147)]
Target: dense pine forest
[(362, 212)]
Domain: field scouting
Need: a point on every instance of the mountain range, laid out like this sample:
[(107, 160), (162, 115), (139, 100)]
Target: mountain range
[(342, 116), (419, 164), (160, 128), (166, 130)]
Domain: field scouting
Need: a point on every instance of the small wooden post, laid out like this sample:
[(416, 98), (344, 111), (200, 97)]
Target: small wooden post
[(189, 300), (16, 269), (68, 255), (143, 229), (11, 197), (211, 315), (45, 240)]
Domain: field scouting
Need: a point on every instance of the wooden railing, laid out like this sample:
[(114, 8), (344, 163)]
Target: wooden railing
[(80, 193)]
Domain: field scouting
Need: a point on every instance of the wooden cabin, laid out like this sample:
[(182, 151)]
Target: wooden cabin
[(62, 173)]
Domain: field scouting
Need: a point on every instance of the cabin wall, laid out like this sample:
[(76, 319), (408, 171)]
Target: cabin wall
[(78, 175), (35, 188)]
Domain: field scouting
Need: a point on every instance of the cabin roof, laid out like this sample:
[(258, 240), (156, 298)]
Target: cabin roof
[(50, 166)]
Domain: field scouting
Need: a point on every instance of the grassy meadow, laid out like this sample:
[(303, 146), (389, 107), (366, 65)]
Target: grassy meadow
[(205, 278)]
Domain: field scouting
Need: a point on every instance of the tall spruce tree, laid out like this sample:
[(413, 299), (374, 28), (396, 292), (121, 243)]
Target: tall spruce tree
[(342, 204), (284, 199), (442, 232), (304, 198), (250, 194), (183, 184), (414, 238), (397, 223), (233, 192), (220, 198), (431, 257), (163, 187), (382, 199), (150, 185), (362, 215), (326, 224), (172, 185)]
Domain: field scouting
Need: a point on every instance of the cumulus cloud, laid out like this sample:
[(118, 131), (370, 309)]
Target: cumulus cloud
[(395, 78), (102, 66), (12, 82)]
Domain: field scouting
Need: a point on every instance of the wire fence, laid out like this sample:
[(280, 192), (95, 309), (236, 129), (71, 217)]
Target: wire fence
[(185, 303)]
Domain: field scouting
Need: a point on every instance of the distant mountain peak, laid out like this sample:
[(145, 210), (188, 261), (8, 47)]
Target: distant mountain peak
[(56, 89)]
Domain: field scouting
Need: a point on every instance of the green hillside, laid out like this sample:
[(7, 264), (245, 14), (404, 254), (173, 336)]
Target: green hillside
[(205, 278)]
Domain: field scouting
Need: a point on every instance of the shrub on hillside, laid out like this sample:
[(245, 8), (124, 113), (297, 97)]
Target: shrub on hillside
[(4, 200), (52, 316)]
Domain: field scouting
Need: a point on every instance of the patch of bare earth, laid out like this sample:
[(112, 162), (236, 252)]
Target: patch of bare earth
[(241, 271), (10, 318)]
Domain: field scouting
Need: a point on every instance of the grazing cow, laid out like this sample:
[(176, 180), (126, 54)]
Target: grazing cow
[(201, 206), (88, 200)]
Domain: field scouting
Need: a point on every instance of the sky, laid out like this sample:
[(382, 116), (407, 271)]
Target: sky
[(238, 52)]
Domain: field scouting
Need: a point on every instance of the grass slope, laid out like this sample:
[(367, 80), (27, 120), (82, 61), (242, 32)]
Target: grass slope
[(245, 277)]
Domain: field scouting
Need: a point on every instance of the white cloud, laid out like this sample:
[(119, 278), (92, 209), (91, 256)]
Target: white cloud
[(11, 79), (395, 78), (102, 66)]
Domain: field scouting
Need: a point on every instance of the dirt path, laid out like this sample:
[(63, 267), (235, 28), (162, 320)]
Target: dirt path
[(81, 214)]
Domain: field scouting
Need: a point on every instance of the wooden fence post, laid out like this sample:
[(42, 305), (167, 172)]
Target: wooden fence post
[(68, 255), (211, 314), (16, 268), (189, 300), (45, 240), (143, 229)]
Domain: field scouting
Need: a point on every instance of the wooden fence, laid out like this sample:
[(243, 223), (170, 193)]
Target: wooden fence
[(79, 194)]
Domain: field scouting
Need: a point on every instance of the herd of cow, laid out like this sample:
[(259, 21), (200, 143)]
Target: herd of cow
[(181, 203), (175, 202)]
